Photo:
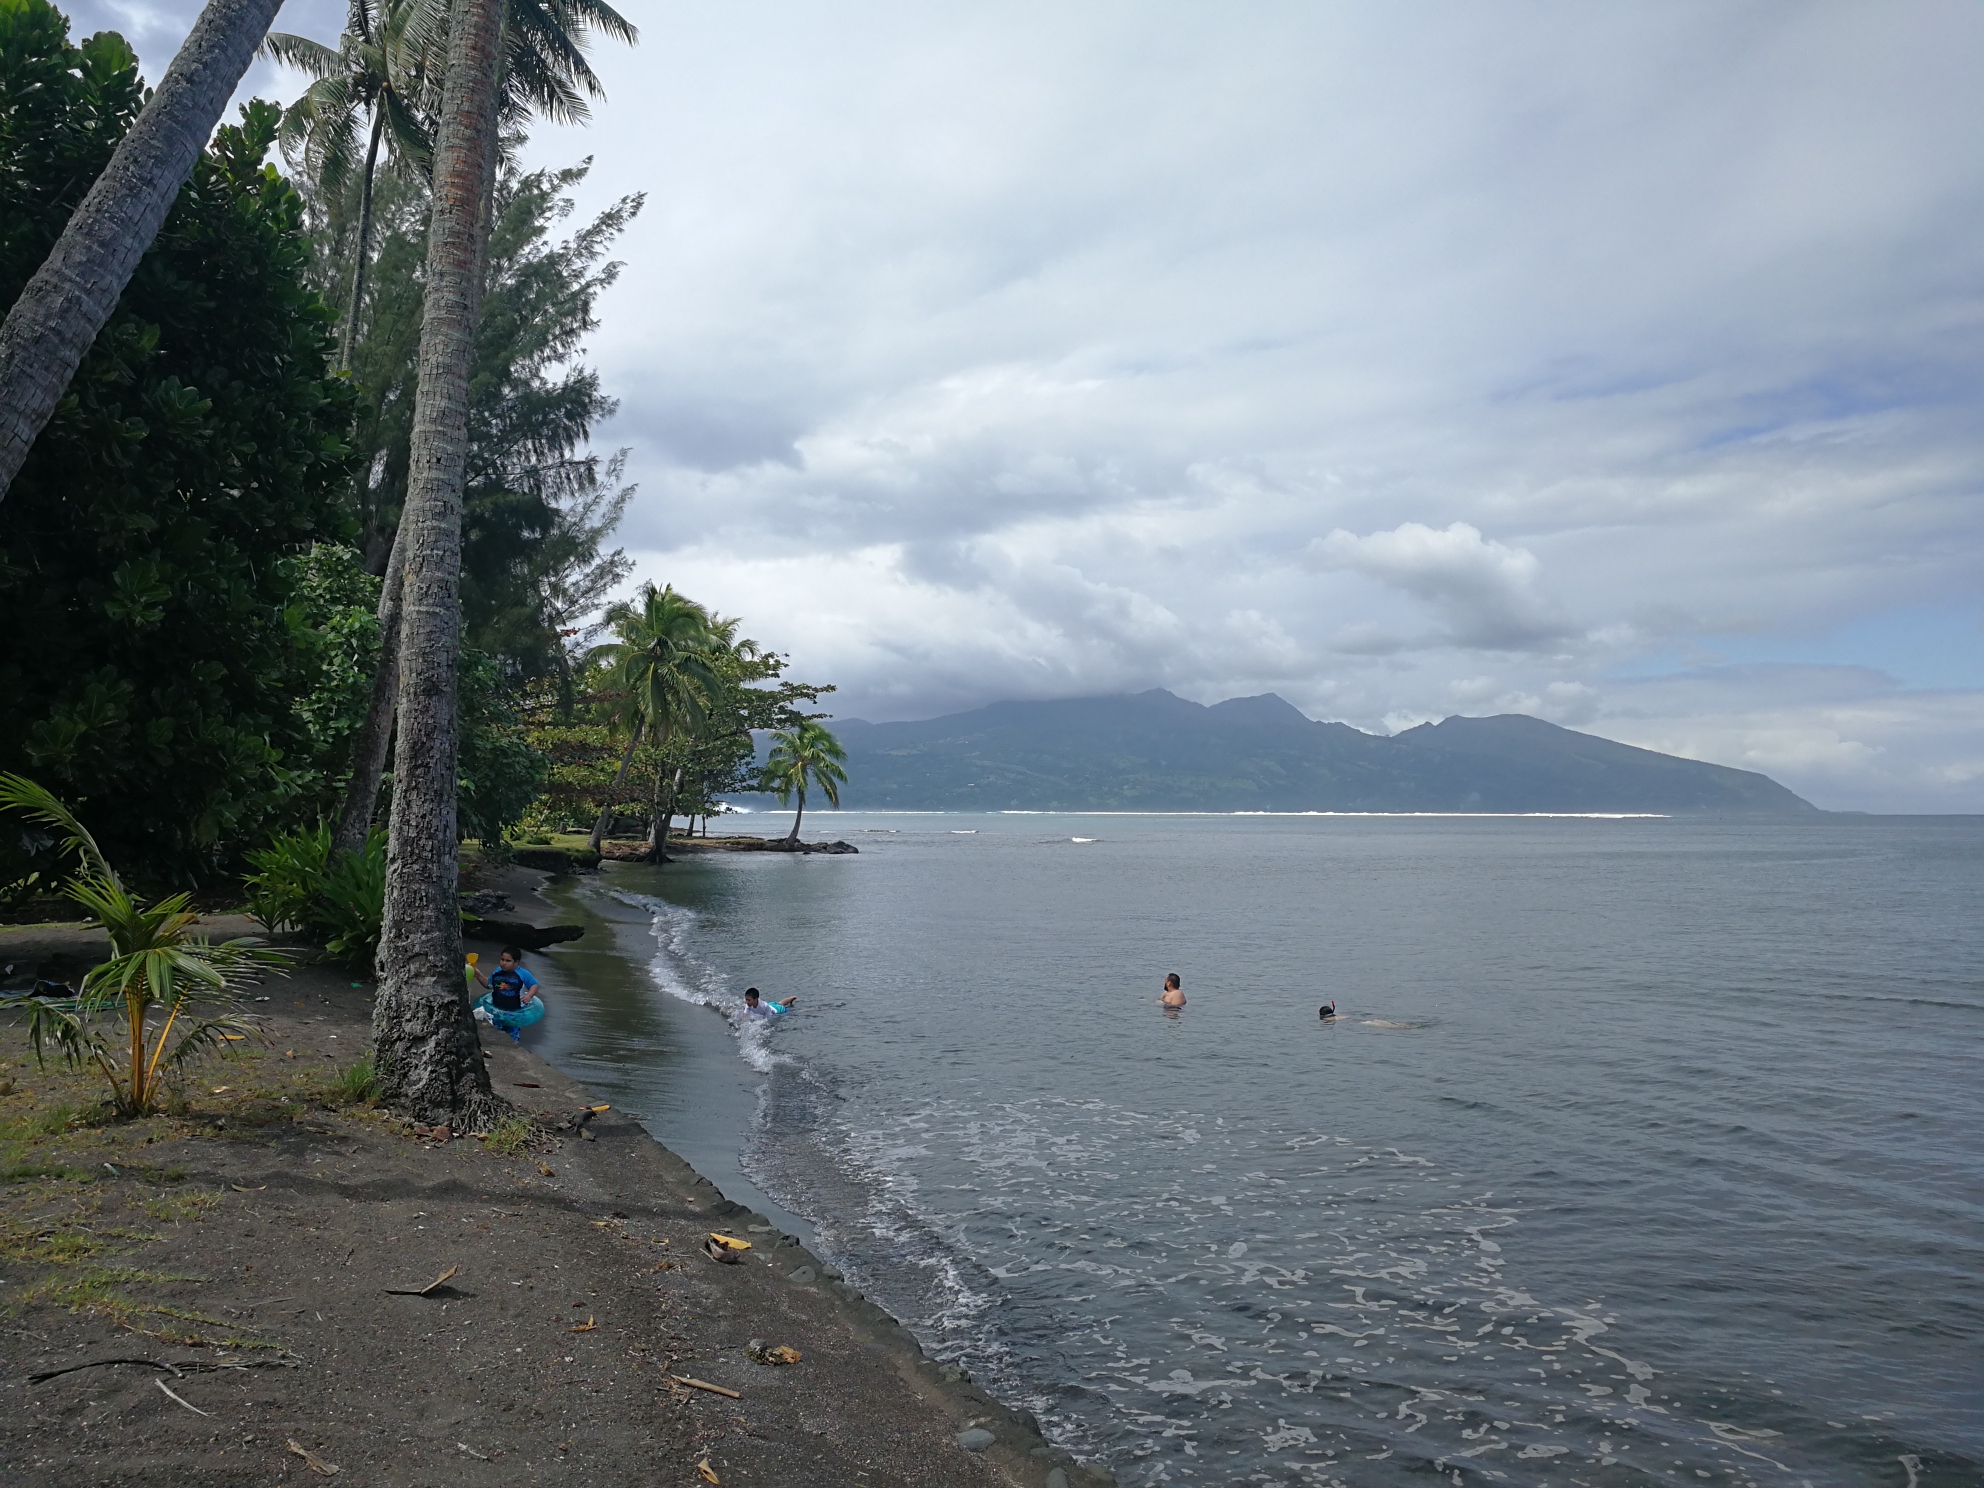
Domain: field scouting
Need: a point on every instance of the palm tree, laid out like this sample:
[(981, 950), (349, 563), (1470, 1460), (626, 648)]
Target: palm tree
[(72, 294), (425, 1048), (159, 963), (807, 750), (544, 69), (662, 669), (368, 73)]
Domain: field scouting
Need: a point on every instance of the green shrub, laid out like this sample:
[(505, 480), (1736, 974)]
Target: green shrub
[(289, 873), (350, 907), (343, 902)]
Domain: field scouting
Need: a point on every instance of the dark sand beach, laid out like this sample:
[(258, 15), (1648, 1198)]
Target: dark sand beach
[(205, 1296)]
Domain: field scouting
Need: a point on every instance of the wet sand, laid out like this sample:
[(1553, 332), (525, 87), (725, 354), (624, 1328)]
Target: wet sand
[(239, 1254)]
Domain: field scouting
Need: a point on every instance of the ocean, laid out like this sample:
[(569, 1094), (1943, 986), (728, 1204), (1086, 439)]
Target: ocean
[(1641, 1150)]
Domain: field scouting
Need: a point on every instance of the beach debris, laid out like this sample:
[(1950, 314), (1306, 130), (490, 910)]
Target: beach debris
[(478, 1456), (221, 1089), (434, 1133), (725, 1248), (545, 1169), (708, 1472), (426, 1291), (758, 1352), (597, 1109), (696, 1384), (311, 1460), (49, 1374), (181, 1399), (586, 1327), (242, 1188)]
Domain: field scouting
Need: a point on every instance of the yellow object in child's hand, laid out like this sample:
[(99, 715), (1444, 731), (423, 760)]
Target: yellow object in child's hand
[(473, 957)]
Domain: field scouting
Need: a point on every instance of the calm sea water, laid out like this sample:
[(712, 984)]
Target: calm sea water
[(1643, 1150)]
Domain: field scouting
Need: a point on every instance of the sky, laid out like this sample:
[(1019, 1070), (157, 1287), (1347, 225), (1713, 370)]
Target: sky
[(1615, 364)]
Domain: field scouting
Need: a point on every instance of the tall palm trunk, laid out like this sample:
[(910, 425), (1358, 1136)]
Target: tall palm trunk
[(613, 795), (51, 326), (348, 341), (424, 1042), (375, 735), (793, 835)]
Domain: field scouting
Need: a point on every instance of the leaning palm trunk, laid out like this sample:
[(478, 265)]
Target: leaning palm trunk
[(425, 1048), (613, 794), (665, 819), (793, 835), (73, 293), (375, 735), (348, 342)]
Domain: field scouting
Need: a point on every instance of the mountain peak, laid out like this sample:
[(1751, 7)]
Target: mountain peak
[(1155, 751)]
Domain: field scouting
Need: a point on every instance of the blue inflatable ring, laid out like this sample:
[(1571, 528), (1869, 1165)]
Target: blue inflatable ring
[(531, 1012)]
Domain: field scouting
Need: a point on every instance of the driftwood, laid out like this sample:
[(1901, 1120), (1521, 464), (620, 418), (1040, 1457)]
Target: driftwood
[(517, 933)]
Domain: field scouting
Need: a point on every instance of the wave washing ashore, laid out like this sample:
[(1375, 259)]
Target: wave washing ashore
[(1641, 1150)]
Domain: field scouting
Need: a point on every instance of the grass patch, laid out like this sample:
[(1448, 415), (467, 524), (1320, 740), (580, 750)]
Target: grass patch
[(25, 1172), (511, 1135), (40, 1242), (355, 1084), (175, 1207)]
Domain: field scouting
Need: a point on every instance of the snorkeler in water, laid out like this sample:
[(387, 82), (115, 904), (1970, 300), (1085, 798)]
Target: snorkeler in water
[(1327, 1011)]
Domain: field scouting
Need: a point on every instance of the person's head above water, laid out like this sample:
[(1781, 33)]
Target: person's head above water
[(751, 996), (1327, 1010), (1172, 980)]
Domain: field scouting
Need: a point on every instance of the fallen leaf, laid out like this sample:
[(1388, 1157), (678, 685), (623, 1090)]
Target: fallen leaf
[(597, 1109), (234, 1038), (427, 1290), (546, 1170), (709, 1474), (288, 1053), (472, 1451), (696, 1384), (239, 1189), (311, 1460), (187, 1403), (222, 1089), (585, 1327)]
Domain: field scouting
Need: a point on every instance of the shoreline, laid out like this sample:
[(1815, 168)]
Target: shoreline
[(239, 1247)]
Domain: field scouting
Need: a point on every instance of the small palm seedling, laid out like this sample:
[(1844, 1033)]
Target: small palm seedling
[(160, 965)]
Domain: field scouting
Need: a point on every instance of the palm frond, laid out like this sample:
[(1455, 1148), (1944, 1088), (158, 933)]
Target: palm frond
[(301, 53), (39, 804)]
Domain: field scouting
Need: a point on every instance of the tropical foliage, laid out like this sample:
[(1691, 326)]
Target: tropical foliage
[(153, 537), (161, 967)]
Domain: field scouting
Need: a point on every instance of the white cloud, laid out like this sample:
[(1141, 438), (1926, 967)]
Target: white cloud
[(1037, 349), (1489, 594)]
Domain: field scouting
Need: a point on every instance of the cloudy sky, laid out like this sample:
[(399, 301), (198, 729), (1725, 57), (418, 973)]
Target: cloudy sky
[(1617, 364)]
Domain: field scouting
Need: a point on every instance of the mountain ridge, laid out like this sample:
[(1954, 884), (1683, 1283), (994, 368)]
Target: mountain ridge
[(1155, 751)]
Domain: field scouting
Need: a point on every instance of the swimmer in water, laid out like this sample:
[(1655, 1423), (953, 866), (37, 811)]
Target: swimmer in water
[(1327, 1011), (1173, 995), (762, 1012)]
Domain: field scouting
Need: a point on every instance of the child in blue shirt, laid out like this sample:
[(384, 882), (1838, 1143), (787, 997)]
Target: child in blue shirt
[(512, 1002)]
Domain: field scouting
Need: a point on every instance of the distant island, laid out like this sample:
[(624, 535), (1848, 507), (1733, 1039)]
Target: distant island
[(1154, 751)]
